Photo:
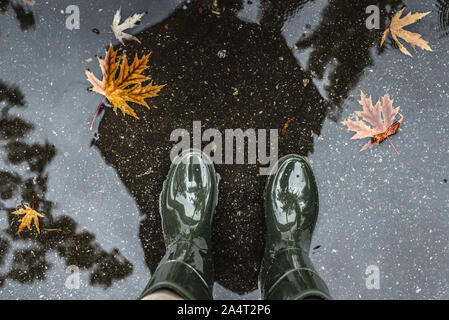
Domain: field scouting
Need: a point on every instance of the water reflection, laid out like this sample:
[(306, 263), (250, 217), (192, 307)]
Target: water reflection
[(443, 14), (276, 13), (12, 127), (342, 38), (11, 96), (256, 84), (4, 5), (25, 17), (58, 234)]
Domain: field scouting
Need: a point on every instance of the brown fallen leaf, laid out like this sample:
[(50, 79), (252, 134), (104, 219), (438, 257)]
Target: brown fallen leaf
[(127, 85), (397, 30), (52, 230), (149, 171), (380, 118), (30, 216)]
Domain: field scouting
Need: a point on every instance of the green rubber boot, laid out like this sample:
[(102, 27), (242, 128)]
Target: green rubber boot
[(188, 201), (291, 211)]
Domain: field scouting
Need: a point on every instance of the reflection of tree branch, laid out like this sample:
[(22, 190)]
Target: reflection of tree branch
[(12, 96), (76, 248), (25, 17), (4, 247), (13, 128), (275, 12), (342, 36), (3, 5), (9, 184), (28, 265), (110, 267), (443, 14), (36, 155)]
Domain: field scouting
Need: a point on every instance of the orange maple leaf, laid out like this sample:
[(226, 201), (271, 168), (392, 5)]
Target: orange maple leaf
[(380, 118), (127, 85), (30, 216)]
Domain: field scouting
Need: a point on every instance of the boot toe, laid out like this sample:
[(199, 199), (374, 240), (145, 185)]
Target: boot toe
[(189, 195), (291, 198)]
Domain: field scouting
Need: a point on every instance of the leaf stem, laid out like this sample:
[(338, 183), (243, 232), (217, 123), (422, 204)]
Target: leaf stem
[(392, 145), (92, 124)]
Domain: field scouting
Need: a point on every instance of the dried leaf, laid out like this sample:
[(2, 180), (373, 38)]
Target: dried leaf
[(52, 230), (396, 28), (379, 117), (130, 22), (286, 124), (127, 85), (30, 216)]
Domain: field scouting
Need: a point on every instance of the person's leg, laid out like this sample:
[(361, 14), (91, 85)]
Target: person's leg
[(291, 211), (163, 294), (188, 201)]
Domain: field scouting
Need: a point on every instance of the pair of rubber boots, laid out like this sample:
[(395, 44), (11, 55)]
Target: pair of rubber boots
[(188, 202)]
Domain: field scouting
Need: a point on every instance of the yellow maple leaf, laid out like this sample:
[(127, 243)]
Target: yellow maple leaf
[(30, 216), (127, 85), (397, 30)]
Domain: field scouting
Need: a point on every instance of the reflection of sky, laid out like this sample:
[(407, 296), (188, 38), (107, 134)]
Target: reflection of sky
[(376, 207), (250, 12)]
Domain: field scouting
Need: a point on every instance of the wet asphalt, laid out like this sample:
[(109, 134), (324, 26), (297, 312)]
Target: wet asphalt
[(229, 64)]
